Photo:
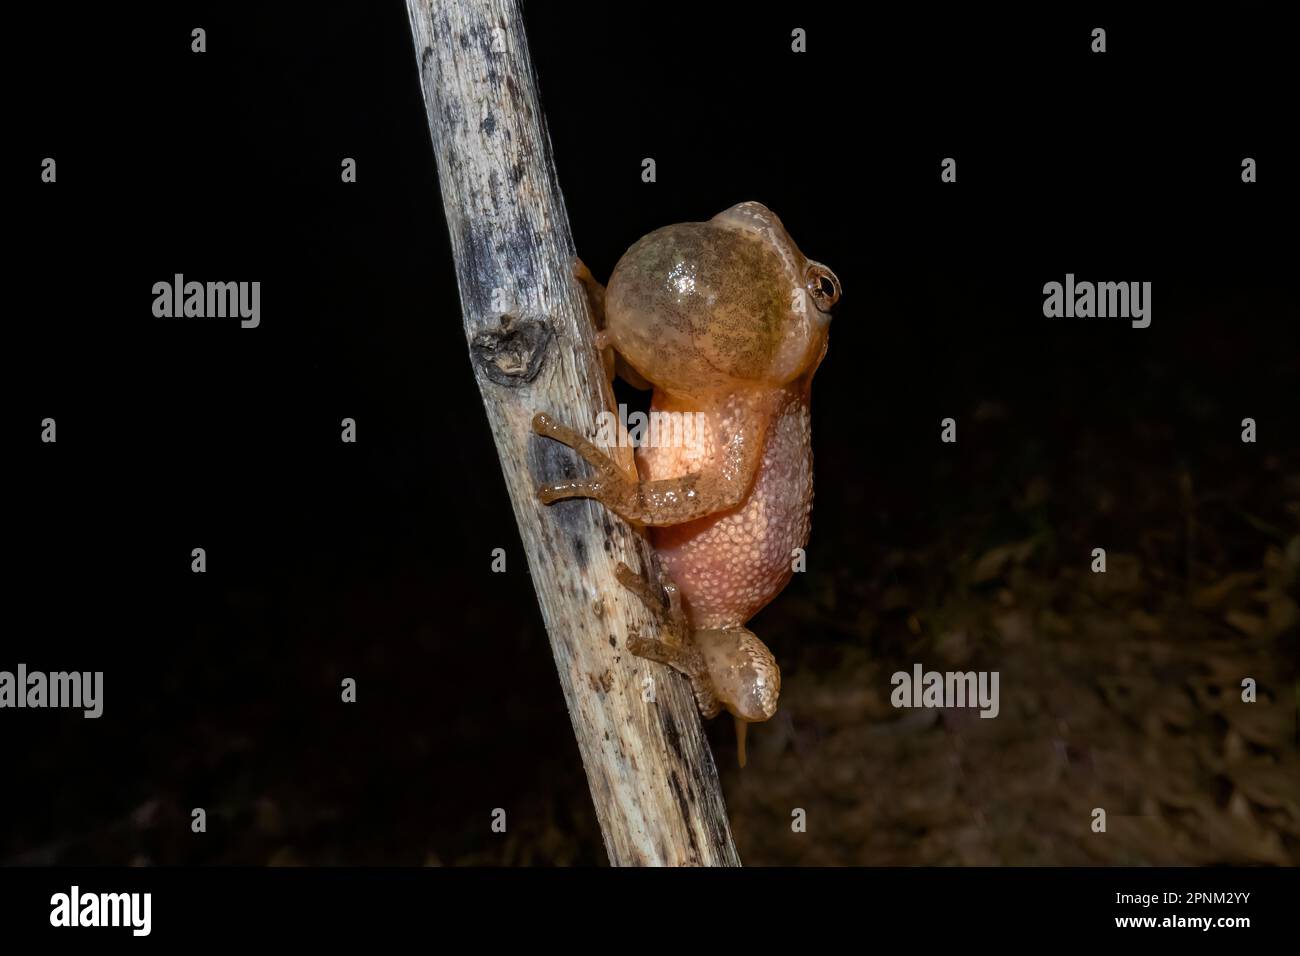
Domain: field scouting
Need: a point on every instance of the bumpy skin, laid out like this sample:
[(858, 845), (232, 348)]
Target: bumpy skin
[(733, 562), (728, 319)]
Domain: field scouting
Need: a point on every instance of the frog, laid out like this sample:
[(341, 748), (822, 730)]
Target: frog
[(726, 321)]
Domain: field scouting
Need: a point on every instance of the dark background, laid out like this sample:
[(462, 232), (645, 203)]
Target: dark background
[(372, 560)]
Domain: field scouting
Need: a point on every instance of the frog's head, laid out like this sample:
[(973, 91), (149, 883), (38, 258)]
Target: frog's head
[(743, 675), (702, 309)]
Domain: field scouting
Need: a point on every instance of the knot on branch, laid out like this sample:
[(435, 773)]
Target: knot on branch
[(513, 354)]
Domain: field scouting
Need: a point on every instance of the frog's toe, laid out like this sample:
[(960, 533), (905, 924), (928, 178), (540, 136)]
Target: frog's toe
[(543, 424), (553, 491)]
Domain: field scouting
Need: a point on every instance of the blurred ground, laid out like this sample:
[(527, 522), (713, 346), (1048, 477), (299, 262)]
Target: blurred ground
[(1120, 691)]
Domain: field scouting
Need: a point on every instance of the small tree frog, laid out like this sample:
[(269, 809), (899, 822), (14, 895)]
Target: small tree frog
[(727, 321)]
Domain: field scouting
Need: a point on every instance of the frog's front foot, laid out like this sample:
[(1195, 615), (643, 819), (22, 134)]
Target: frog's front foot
[(609, 486), (659, 502)]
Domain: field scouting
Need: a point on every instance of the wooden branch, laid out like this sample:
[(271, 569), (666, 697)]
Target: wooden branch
[(532, 346)]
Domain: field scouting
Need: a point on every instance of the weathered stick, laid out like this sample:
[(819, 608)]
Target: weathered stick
[(531, 342)]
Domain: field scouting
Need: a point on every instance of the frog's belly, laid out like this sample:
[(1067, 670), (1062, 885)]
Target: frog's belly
[(729, 565)]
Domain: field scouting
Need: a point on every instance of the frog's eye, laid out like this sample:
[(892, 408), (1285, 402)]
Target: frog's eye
[(823, 285)]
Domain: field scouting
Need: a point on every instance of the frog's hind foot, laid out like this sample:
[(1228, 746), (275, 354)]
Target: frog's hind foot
[(685, 659), (677, 651), (665, 603)]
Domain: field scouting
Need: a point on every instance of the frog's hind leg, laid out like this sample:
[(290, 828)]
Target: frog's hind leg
[(683, 659), (672, 617), (678, 652), (727, 667)]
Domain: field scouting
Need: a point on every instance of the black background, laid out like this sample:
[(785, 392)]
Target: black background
[(371, 560)]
